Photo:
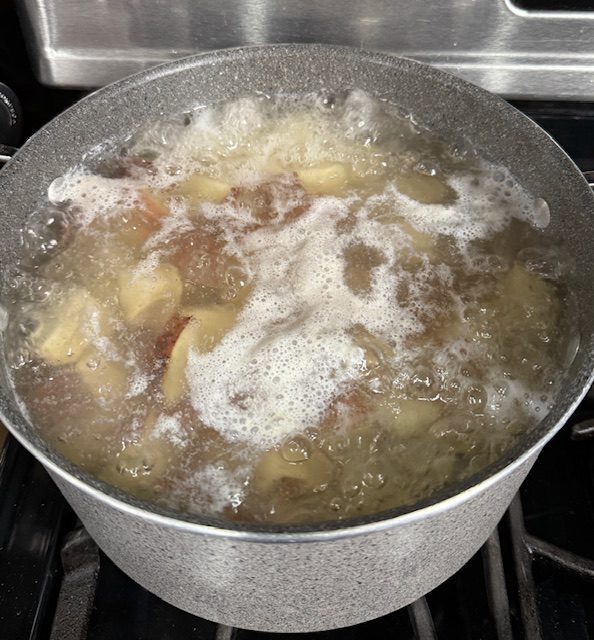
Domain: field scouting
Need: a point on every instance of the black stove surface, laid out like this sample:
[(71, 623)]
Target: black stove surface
[(534, 578)]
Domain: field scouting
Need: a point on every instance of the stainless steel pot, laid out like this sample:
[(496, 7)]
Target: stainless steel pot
[(306, 577)]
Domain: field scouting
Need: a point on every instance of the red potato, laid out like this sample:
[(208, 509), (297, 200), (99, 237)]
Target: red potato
[(210, 274), (205, 328), (196, 251), (348, 408), (166, 341), (154, 205), (137, 224), (277, 200)]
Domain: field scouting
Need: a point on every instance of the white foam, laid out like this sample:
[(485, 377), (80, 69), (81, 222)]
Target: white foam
[(214, 487), (292, 352), (169, 427), (486, 202), (238, 143), (139, 383), (146, 266), (92, 195)]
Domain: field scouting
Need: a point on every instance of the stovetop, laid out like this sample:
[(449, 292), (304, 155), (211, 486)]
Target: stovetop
[(534, 578)]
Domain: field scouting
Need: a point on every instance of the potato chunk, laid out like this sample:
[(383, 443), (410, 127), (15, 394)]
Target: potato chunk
[(425, 189), (307, 474), (360, 262), (143, 460), (279, 199), (530, 295), (525, 319), (154, 205), (376, 350), (408, 417), (326, 179), (105, 379), (135, 226), (149, 297), (198, 188), (67, 330), (206, 328)]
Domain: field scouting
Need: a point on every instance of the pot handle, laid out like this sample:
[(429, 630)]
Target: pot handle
[(6, 153), (11, 123), (589, 175)]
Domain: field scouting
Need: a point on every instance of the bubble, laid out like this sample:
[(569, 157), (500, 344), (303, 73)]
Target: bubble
[(296, 449), (476, 398)]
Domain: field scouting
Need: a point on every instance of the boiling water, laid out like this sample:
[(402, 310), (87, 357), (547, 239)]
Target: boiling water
[(287, 309)]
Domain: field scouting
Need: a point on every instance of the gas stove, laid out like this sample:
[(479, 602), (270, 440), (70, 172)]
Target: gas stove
[(534, 577)]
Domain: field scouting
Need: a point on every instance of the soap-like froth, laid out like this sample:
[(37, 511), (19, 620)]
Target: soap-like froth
[(213, 488), (92, 195), (487, 200), (293, 353), (170, 427), (241, 144)]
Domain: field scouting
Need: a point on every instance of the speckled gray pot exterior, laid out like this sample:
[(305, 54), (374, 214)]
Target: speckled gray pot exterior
[(293, 584), (305, 577)]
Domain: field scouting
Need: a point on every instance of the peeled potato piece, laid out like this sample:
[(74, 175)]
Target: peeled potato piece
[(145, 458), (408, 417), (526, 294), (425, 189), (67, 330), (311, 473), (521, 316), (326, 179), (415, 415), (205, 329), (105, 379), (525, 319), (149, 298), (198, 188)]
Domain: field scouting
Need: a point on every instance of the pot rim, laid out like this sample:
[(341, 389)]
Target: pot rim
[(436, 503)]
